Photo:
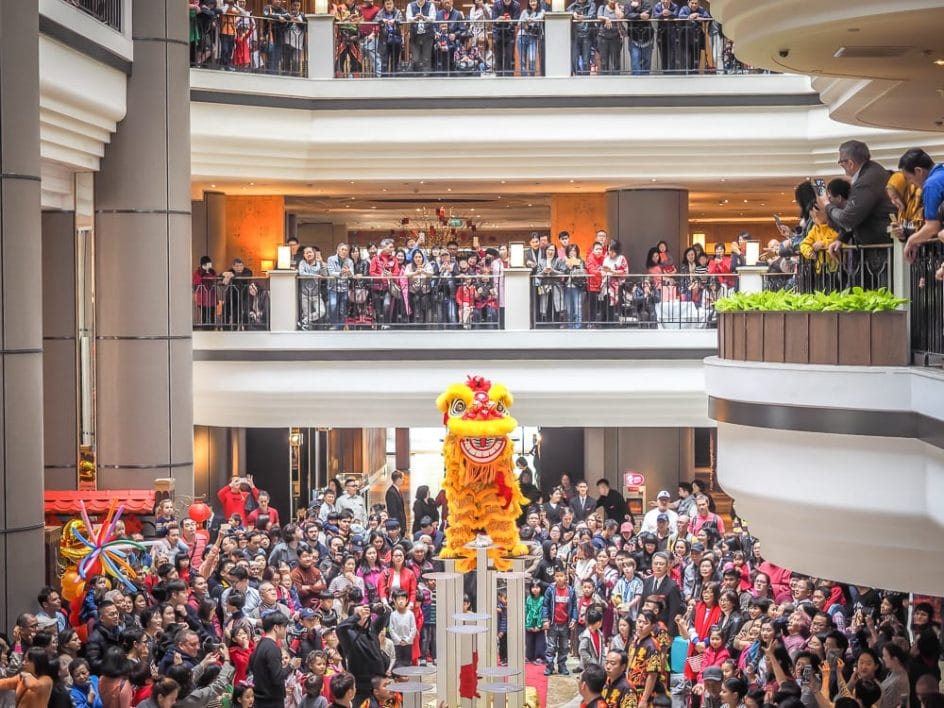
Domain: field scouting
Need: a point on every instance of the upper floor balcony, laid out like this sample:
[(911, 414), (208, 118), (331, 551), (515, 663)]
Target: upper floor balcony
[(374, 41), (825, 428)]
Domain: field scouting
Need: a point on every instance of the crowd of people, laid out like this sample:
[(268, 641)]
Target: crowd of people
[(224, 34), (842, 238), (866, 208), (383, 286), (318, 608), (433, 37)]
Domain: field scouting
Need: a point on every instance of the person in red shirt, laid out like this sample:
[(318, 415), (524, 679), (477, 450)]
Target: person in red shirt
[(233, 497), (262, 511)]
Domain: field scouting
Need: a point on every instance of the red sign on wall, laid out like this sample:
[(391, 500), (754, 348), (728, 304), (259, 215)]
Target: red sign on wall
[(633, 479)]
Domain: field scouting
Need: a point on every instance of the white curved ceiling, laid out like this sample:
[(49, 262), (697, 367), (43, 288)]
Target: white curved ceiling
[(882, 53)]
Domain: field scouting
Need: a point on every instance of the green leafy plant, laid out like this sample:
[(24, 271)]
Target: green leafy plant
[(850, 300)]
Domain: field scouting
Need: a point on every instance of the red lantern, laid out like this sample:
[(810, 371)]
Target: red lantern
[(441, 212), (473, 228), (199, 511)]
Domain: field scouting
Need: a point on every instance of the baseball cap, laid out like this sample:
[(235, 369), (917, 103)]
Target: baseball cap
[(48, 622), (306, 613), (627, 527), (698, 548), (662, 517), (713, 673), (663, 495), (390, 524)]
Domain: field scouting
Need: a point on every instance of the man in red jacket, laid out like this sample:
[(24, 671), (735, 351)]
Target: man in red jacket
[(233, 497)]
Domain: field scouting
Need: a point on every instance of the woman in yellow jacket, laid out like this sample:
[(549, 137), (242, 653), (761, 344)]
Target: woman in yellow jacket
[(814, 246), (907, 198), (33, 685)]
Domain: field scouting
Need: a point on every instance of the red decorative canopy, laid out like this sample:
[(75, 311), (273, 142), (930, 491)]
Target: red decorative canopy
[(136, 501)]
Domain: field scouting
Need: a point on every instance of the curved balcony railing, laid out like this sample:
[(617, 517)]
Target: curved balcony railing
[(351, 44), (927, 304), (272, 44), (106, 11), (231, 304), (634, 301), (867, 267)]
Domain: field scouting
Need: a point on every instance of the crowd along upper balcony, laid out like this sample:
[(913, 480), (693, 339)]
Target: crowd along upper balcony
[(436, 39)]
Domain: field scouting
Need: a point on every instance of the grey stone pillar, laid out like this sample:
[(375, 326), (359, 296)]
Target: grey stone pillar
[(21, 321), (640, 218), (143, 309), (60, 423)]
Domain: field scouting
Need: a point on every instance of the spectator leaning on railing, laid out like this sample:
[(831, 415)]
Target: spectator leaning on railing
[(919, 169), (865, 215)]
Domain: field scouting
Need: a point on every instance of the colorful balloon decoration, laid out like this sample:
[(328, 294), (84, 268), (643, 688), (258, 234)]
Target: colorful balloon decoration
[(91, 554)]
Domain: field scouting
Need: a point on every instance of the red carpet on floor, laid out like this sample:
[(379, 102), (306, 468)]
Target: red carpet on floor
[(534, 676)]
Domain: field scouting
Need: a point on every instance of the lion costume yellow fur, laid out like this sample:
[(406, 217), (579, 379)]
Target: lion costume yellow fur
[(481, 489)]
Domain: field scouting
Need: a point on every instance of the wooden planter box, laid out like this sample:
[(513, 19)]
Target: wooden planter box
[(839, 338)]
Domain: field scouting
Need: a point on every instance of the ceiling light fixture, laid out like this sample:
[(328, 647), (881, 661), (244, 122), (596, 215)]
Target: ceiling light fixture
[(939, 62)]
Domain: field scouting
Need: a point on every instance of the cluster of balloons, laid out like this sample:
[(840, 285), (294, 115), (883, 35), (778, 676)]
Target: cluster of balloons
[(89, 553)]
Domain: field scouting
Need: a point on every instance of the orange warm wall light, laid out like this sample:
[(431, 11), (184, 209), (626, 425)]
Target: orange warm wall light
[(266, 265)]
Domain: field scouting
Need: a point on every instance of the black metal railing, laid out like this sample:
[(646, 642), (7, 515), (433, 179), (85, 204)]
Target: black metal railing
[(868, 267), (231, 304), (673, 46), (272, 44), (107, 11), (927, 305), (641, 301), (395, 46), (423, 299)]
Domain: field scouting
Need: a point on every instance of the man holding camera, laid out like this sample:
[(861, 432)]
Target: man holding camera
[(361, 648)]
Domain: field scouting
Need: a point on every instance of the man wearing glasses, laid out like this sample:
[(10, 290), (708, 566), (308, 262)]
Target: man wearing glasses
[(352, 500), (865, 215)]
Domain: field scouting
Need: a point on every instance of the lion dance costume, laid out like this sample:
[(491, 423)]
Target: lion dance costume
[(480, 485)]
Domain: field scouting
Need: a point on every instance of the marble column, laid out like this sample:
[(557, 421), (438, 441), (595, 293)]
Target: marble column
[(21, 317), (143, 307), (640, 218), (60, 422)]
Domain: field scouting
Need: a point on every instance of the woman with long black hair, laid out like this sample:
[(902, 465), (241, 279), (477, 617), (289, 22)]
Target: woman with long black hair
[(423, 505)]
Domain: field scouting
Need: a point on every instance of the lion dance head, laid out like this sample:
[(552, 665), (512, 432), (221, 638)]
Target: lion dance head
[(481, 490)]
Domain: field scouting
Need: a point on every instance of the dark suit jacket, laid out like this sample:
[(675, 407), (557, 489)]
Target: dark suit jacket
[(581, 512), (396, 509), (672, 600), (865, 215)]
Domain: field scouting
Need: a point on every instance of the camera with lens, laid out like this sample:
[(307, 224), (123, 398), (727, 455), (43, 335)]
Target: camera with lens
[(210, 645)]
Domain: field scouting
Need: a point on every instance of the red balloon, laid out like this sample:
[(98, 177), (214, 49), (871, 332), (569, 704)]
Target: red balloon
[(94, 569), (199, 511)]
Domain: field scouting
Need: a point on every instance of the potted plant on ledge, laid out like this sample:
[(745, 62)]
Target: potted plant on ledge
[(853, 327)]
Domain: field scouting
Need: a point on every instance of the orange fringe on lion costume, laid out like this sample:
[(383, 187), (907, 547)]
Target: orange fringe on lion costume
[(480, 485)]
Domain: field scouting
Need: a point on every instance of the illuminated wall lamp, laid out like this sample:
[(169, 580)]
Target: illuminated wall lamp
[(284, 256), (516, 255), (752, 252), (267, 265), (321, 7), (698, 238)]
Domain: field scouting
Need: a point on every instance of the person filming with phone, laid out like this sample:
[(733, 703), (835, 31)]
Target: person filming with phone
[(233, 497)]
